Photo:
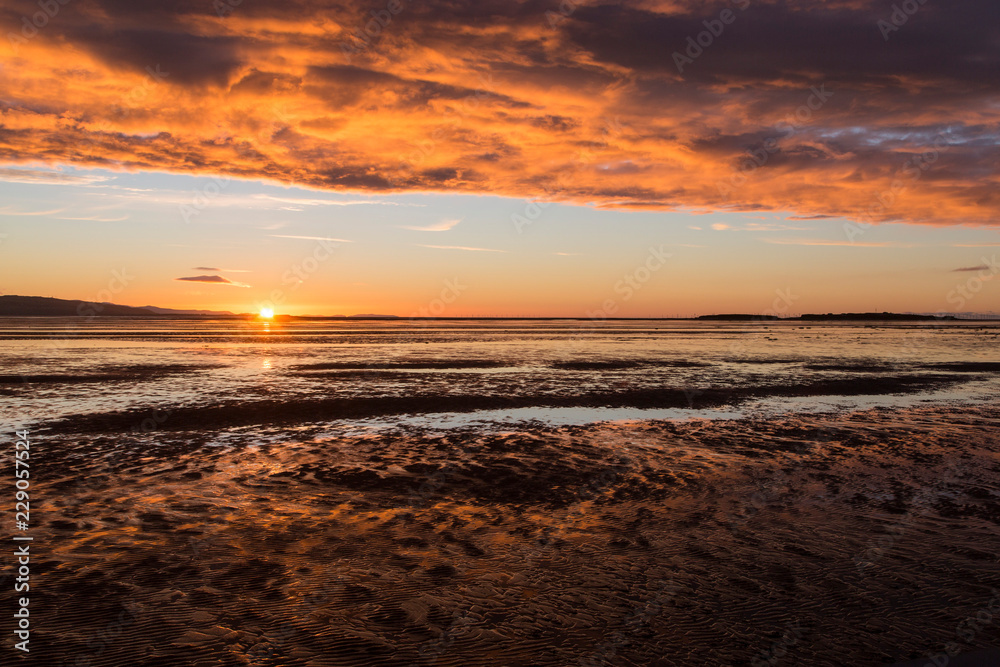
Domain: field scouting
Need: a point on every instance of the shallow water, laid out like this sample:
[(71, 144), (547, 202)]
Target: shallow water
[(54, 368)]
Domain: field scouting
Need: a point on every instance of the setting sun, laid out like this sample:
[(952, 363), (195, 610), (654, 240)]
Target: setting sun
[(267, 313)]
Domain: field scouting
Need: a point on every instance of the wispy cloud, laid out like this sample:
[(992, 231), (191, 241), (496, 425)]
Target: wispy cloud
[(308, 238), (44, 176), (214, 280), (824, 242), (442, 226), (981, 267), (756, 227), (94, 218), (302, 201), (164, 196), (459, 247), (7, 211), (772, 227)]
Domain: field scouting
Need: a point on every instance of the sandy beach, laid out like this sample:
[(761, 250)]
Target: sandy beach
[(861, 539)]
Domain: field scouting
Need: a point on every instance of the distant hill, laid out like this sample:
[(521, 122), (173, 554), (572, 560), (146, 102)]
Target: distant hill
[(42, 306), (880, 317), (35, 306), (832, 317)]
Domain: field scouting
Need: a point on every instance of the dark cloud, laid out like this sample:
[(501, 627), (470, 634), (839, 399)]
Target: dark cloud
[(205, 279), (555, 123), (780, 41), (981, 267), (256, 82), (441, 175), (183, 58), (215, 280)]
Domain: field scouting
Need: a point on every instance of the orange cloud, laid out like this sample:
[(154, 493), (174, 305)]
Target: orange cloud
[(805, 111)]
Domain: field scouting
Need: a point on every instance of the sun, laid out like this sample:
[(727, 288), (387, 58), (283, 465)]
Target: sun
[(267, 313)]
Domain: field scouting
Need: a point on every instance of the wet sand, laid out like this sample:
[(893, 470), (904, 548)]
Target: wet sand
[(266, 411), (859, 539)]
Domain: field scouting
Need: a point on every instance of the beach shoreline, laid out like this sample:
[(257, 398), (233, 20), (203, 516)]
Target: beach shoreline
[(860, 538)]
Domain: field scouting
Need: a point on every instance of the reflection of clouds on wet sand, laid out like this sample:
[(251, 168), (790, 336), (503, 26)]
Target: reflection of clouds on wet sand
[(301, 371), (685, 542)]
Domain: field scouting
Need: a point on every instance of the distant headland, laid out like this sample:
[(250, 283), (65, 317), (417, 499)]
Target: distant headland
[(847, 317), (39, 306)]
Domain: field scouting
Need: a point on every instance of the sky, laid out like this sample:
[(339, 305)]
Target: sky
[(502, 158)]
